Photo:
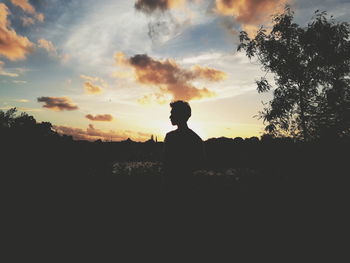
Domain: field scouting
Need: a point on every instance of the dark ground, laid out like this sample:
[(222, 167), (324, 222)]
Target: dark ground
[(66, 205)]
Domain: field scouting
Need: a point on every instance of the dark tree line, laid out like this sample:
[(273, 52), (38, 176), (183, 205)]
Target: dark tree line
[(36, 149), (23, 126)]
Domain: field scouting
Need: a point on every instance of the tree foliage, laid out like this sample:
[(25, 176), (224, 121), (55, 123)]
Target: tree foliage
[(311, 67), (23, 126)]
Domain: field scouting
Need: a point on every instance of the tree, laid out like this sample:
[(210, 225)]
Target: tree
[(311, 68), (23, 126), (7, 118)]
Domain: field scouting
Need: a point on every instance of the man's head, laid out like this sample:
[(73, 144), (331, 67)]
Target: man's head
[(180, 112)]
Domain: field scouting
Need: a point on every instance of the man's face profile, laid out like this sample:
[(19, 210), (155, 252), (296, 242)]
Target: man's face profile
[(174, 117)]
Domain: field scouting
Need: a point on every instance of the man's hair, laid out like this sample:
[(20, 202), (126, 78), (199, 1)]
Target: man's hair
[(182, 108)]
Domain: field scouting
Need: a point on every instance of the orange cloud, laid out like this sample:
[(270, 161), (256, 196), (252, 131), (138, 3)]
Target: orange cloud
[(120, 58), (25, 5), (12, 46), (48, 46), (149, 6), (58, 103), (28, 8), (251, 13), (171, 78), (93, 134), (90, 134), (91, 88), (40, 17), (98, 117), (209, 73)]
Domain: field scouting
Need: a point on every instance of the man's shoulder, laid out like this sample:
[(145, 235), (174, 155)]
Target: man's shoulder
[(195, 135), (176, 133), (170, 135)]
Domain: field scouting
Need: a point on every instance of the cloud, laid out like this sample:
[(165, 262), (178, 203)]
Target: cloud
[(100, 117), (40, 17), (21, 109), (121, 59), (22, 70), (92, 134), (230, 25), (28, 8), (154, 97), (5, 73), (52, 50), (206, 57), (91, 88), (149, 6), (25, 5), (27, 21), (12, 46), (21, 100), (250, 13), (48, 46), (65, 58), (163, 25), (209, 73), (89, 78), (92, 131), (122, 74), (170, 78), (58, 103), (19, 81)]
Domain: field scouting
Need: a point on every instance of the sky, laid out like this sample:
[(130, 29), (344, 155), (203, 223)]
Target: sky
[(108, 69)]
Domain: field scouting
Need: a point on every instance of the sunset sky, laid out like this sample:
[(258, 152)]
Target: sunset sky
[(108, 69)]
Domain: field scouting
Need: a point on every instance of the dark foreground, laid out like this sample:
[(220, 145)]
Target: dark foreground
[(58, 206)]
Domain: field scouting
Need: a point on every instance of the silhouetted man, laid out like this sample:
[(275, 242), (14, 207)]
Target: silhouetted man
[(183, 149)]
